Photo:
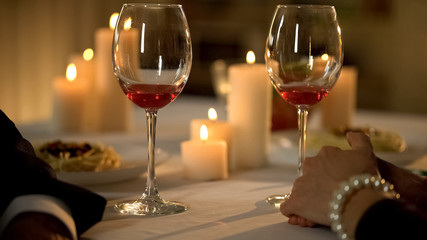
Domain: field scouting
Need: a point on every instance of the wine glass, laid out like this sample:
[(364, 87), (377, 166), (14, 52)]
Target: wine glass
[(304, 55), (152, 58)]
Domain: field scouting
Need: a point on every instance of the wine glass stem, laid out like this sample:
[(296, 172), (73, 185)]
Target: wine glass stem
[(302, 127), (151, 186)]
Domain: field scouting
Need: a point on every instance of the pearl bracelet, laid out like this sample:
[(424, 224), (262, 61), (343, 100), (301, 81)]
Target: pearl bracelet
[(346, 189)]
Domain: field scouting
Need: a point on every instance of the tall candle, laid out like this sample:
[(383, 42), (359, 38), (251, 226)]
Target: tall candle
[(204, 159), (115, 110), (339, 107), (128, 41), (249, 112), (69, 97), (85, 67)]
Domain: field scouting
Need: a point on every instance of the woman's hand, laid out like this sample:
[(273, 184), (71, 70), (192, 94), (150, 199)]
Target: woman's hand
[(311, 193)]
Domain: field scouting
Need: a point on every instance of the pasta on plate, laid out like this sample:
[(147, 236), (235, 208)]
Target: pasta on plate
[(79, 157)]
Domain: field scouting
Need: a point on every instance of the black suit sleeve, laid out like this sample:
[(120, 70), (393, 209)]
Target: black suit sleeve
[(22, 173)]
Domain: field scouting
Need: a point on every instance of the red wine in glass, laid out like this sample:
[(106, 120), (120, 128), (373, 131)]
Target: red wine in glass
[(304, 95), (151, 96)]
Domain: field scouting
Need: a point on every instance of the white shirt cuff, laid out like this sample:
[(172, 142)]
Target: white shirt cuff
[(39, 203)]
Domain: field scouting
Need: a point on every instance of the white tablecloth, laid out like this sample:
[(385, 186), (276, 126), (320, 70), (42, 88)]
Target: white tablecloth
[(227, 209)]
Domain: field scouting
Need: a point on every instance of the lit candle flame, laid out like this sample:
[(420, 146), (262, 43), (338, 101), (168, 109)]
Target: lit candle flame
[(250, 57), (88, 54), (71, 72), (204, 133), (113, 20), (325, 57), (127, 24), (212, 114)]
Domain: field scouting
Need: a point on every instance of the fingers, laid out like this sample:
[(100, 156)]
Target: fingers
[(284, 209), (359, 141), (290, 206), (293, 219), (300, 221), (307, 223)]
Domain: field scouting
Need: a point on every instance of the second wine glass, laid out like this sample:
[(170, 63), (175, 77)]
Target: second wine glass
[(152, 58), (304, 55)]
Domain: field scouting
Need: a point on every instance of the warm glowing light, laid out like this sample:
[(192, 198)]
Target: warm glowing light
[(128, 23), (296, 37), (325, 57), (250, 57), (88, 54), (71, 72), (267, 52), (204, 132), (212, 114), (113, 20)]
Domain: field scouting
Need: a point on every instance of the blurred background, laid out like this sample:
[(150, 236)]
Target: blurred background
[(385, 39)]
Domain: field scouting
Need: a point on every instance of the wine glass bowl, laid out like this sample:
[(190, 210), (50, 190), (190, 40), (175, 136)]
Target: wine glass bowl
[(304, 50), (152, 58), (304, 55)]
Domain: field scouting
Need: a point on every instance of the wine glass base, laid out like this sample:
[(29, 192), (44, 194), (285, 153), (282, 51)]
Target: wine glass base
[(276, 200), (149, 207)]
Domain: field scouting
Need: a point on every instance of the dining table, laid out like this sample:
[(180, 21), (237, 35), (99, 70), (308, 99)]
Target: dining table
[(232, 208)]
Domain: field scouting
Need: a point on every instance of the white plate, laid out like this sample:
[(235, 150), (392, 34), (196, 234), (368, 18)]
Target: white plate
[(134, 163), (284, 149)]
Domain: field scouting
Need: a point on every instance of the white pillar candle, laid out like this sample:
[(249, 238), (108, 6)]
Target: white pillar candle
[(218, 130), (115, 110), (85, 66), (204, 159), (249, 112), (69, 96), (339, 107), (128, 45)]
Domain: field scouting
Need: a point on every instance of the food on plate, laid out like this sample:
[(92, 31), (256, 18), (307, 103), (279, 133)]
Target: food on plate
[(382, 141), (78, 157)]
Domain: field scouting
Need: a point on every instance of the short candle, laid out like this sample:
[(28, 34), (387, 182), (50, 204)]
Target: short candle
[(218, 130), (204, 159)]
